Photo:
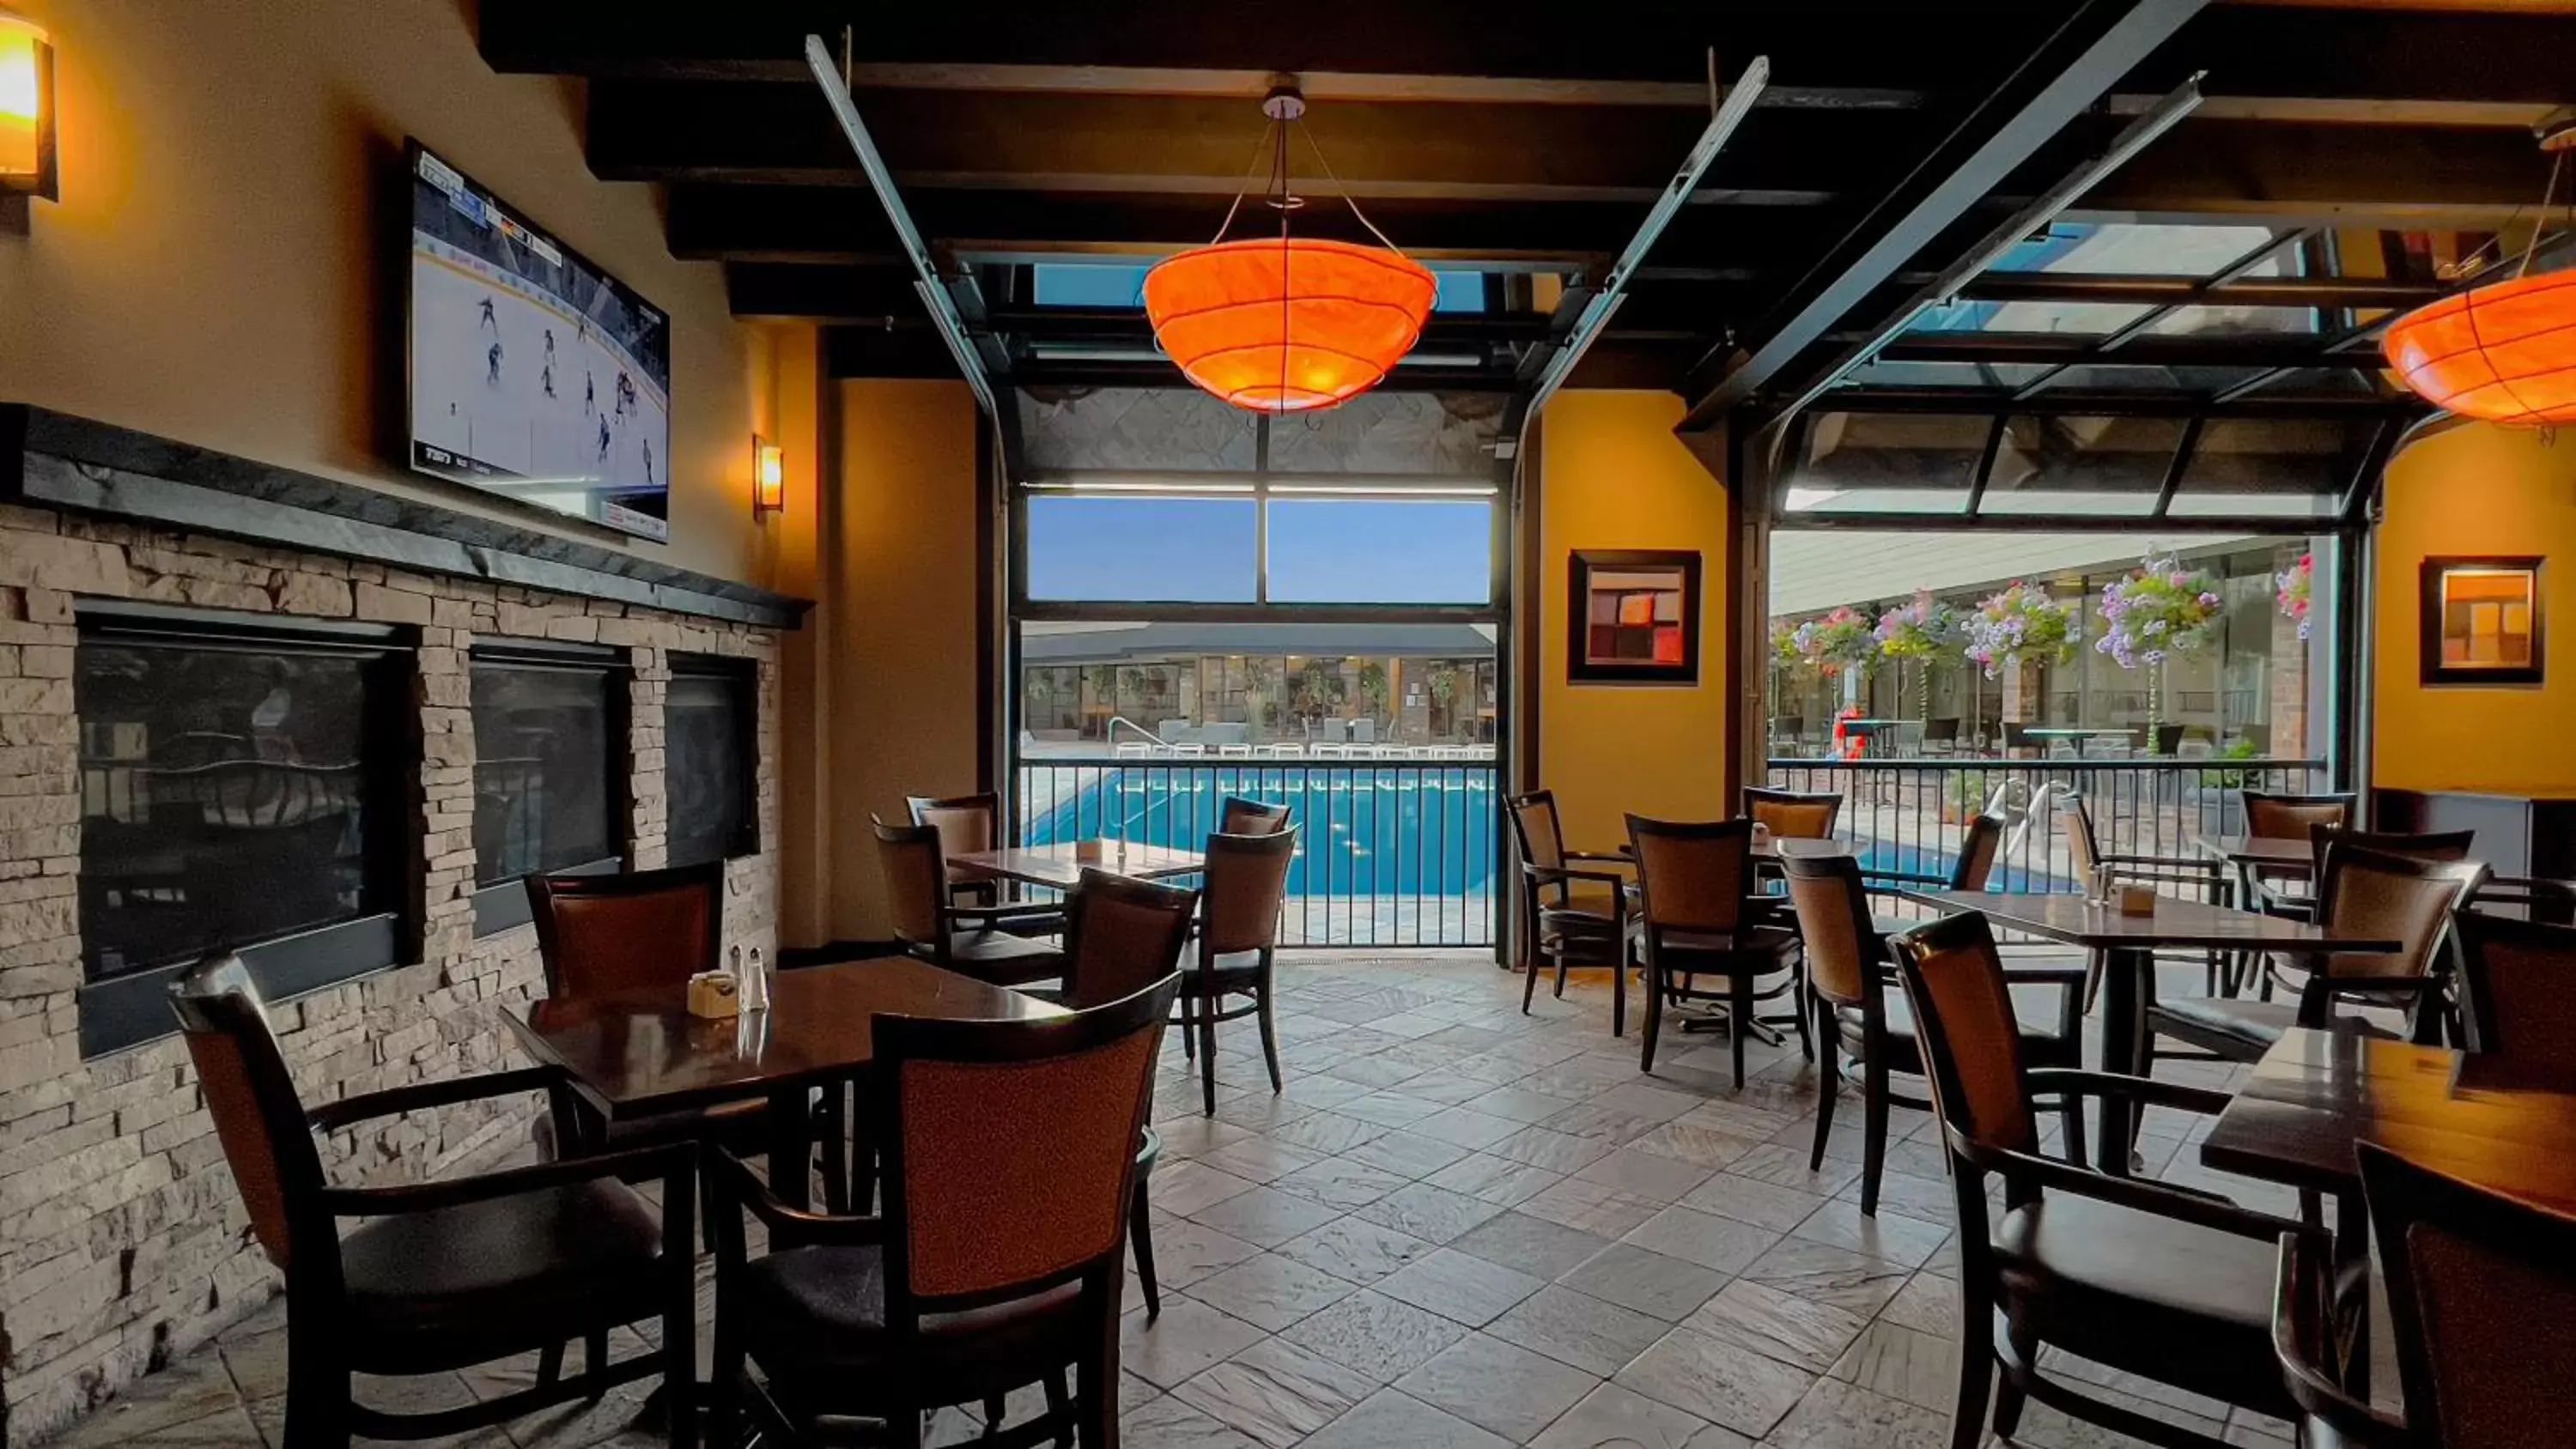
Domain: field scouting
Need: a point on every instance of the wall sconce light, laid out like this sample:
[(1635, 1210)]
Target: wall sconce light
[(26, 108), (768, 478)]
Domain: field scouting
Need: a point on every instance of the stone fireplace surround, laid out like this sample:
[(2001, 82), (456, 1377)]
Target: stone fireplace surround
[(122, 1239)]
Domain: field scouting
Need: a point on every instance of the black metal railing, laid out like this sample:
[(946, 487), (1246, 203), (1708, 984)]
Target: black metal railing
[(1911, 814), (1390, 852)]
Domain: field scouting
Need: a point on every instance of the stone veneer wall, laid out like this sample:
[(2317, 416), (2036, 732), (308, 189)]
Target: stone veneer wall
[(122, 1240)]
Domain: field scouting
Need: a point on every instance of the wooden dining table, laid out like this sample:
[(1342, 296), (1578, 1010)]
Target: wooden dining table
[(2128, 945), (638, 1053), (1060, 867), (2316, 1094)]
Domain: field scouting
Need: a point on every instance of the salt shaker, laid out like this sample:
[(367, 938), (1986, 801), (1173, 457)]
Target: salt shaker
[(754, 983)]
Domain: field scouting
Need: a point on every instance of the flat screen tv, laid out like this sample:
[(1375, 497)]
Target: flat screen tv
[(533, 374)]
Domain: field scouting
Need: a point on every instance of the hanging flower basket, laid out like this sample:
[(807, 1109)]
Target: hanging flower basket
[(2293, 590), (1843, 639), (2161, 609), (2020, 625), (1917, 629)]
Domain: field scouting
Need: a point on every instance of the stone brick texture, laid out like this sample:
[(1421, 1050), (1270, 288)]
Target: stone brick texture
[(122, 1239)]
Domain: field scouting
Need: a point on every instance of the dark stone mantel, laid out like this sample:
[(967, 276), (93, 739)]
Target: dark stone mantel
[(51, 459)]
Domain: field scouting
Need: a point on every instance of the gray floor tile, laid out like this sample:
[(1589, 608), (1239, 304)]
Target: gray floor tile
[(1592, 1334), (1376, 1335), (1429, 1212), (1390, 1418), (1357, 1250), (1726, 1385), (1634, 1277), (1498, 1386), (1722, 1244), (1276, 1392), (1460, 1286), (1270, 1292)]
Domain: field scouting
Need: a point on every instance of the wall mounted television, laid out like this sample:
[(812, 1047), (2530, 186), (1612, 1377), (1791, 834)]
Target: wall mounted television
[(533, 374)]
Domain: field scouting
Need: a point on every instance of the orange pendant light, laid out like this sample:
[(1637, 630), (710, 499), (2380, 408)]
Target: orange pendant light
[(2505, 353), (1285, 324)]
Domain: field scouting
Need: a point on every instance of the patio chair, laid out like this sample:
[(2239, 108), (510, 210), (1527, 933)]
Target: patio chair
[(1239, 816), (1794, 814), (1246, 883), (1574, 904), (2481, 1308), (972, 823), (446, 1274), (2098, 872), (945, 936), (1696, 916), (2517, 988)]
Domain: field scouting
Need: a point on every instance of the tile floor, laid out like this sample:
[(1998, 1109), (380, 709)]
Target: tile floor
[(1457, 1228)]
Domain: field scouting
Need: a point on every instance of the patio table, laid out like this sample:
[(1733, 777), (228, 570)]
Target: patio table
[(1057, 868)]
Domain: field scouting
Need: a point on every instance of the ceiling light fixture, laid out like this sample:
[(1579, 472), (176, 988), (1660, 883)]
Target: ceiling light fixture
[(1285, 324), (2504, 352)]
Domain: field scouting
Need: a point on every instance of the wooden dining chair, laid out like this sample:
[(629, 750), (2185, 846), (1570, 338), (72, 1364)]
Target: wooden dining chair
[(1971, 868), (2098, 872), (2170, 1285), (1574, 904), (428, 1277), (1696, 917), (1245, 885), (598, 934), (1121, 936), (2442, 845), (1793, 814), (2360, 893), (2517, 987), (1848, 972), (997, 1260), (2481, 1307), (959, 939), (968, 824), (2288, 817), (1239, 816)]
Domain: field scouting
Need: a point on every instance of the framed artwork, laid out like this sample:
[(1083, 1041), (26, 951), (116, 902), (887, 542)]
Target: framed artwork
[(1633, 617), (2482, 621)]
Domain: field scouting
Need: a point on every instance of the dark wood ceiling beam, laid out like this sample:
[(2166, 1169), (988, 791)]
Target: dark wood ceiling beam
[(2184, 291), (838, 294), (742, 223), (2369, 54), (2150, 350)]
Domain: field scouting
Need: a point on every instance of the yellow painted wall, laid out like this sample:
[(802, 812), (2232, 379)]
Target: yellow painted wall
[(217, 269), (2477, 489), (1613, 476), (899, 653)]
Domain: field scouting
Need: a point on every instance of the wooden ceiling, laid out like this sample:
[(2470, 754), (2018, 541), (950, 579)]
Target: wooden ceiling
[(1890, 143)]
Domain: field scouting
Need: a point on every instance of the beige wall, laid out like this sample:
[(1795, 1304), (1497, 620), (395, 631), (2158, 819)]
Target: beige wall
[(2476, 489), (216, 269), (1614, 477), (898, 661)]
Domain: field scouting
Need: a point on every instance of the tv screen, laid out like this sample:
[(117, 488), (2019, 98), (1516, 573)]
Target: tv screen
[(534, 375)]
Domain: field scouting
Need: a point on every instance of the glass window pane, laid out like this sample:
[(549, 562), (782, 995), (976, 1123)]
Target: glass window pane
[(2270, 467), (2125, 248), (1459, 292), (222, 798), (2237, 321), (1058, 284), (1143, 548), (2081, 465), (2088, 319), (1381, 551), (1886, 463), (707, 734), (541, 770)]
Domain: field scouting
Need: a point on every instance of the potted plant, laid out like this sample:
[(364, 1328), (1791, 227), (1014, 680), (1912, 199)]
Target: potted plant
[(1918, 629), (2291, 590), (2159, 610)]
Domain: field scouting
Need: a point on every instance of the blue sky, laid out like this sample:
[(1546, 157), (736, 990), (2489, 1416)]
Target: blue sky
[(1203, 550), (1062, 284)]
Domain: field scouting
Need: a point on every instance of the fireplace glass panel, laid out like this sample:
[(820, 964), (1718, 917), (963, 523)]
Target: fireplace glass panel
[(225, 795), (543, 798), (707, 728)]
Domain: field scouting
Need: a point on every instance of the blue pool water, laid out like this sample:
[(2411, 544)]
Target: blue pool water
[(1365, 832)]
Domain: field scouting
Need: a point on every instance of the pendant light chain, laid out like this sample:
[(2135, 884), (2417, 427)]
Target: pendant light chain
[(2540, 223), (1349, 200)]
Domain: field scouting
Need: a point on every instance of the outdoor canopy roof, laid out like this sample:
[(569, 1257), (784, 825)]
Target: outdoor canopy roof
[(1118, 643)]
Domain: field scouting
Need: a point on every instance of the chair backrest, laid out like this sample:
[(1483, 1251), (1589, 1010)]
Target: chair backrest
[(1122, 935), (916, 882), (2481, 1303), (1538, 830), (1239, 816), (1246, 882), (1834, 926), (258, 1115), (602, 933), (2371, 893), (2287, 817), (2083, 848), (1963, 1016), (1793, 814), (966, 824), (2518, 987), (1010, 1150), (1975, 865), (2439, 845), (1692, 876)]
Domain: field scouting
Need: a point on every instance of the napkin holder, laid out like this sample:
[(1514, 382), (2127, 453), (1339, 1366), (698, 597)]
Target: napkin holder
[(1089, 852), (2134, 900), (713, 996)]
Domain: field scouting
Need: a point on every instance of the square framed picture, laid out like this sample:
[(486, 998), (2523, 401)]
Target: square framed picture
[(2482, 621), (1633, 617)]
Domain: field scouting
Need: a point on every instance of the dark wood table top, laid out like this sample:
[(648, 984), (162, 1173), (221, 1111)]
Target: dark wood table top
[(2510, 1127), (2071, 919), (1767, 846), (1056, 866), (638, 1052), (2277, 854)]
